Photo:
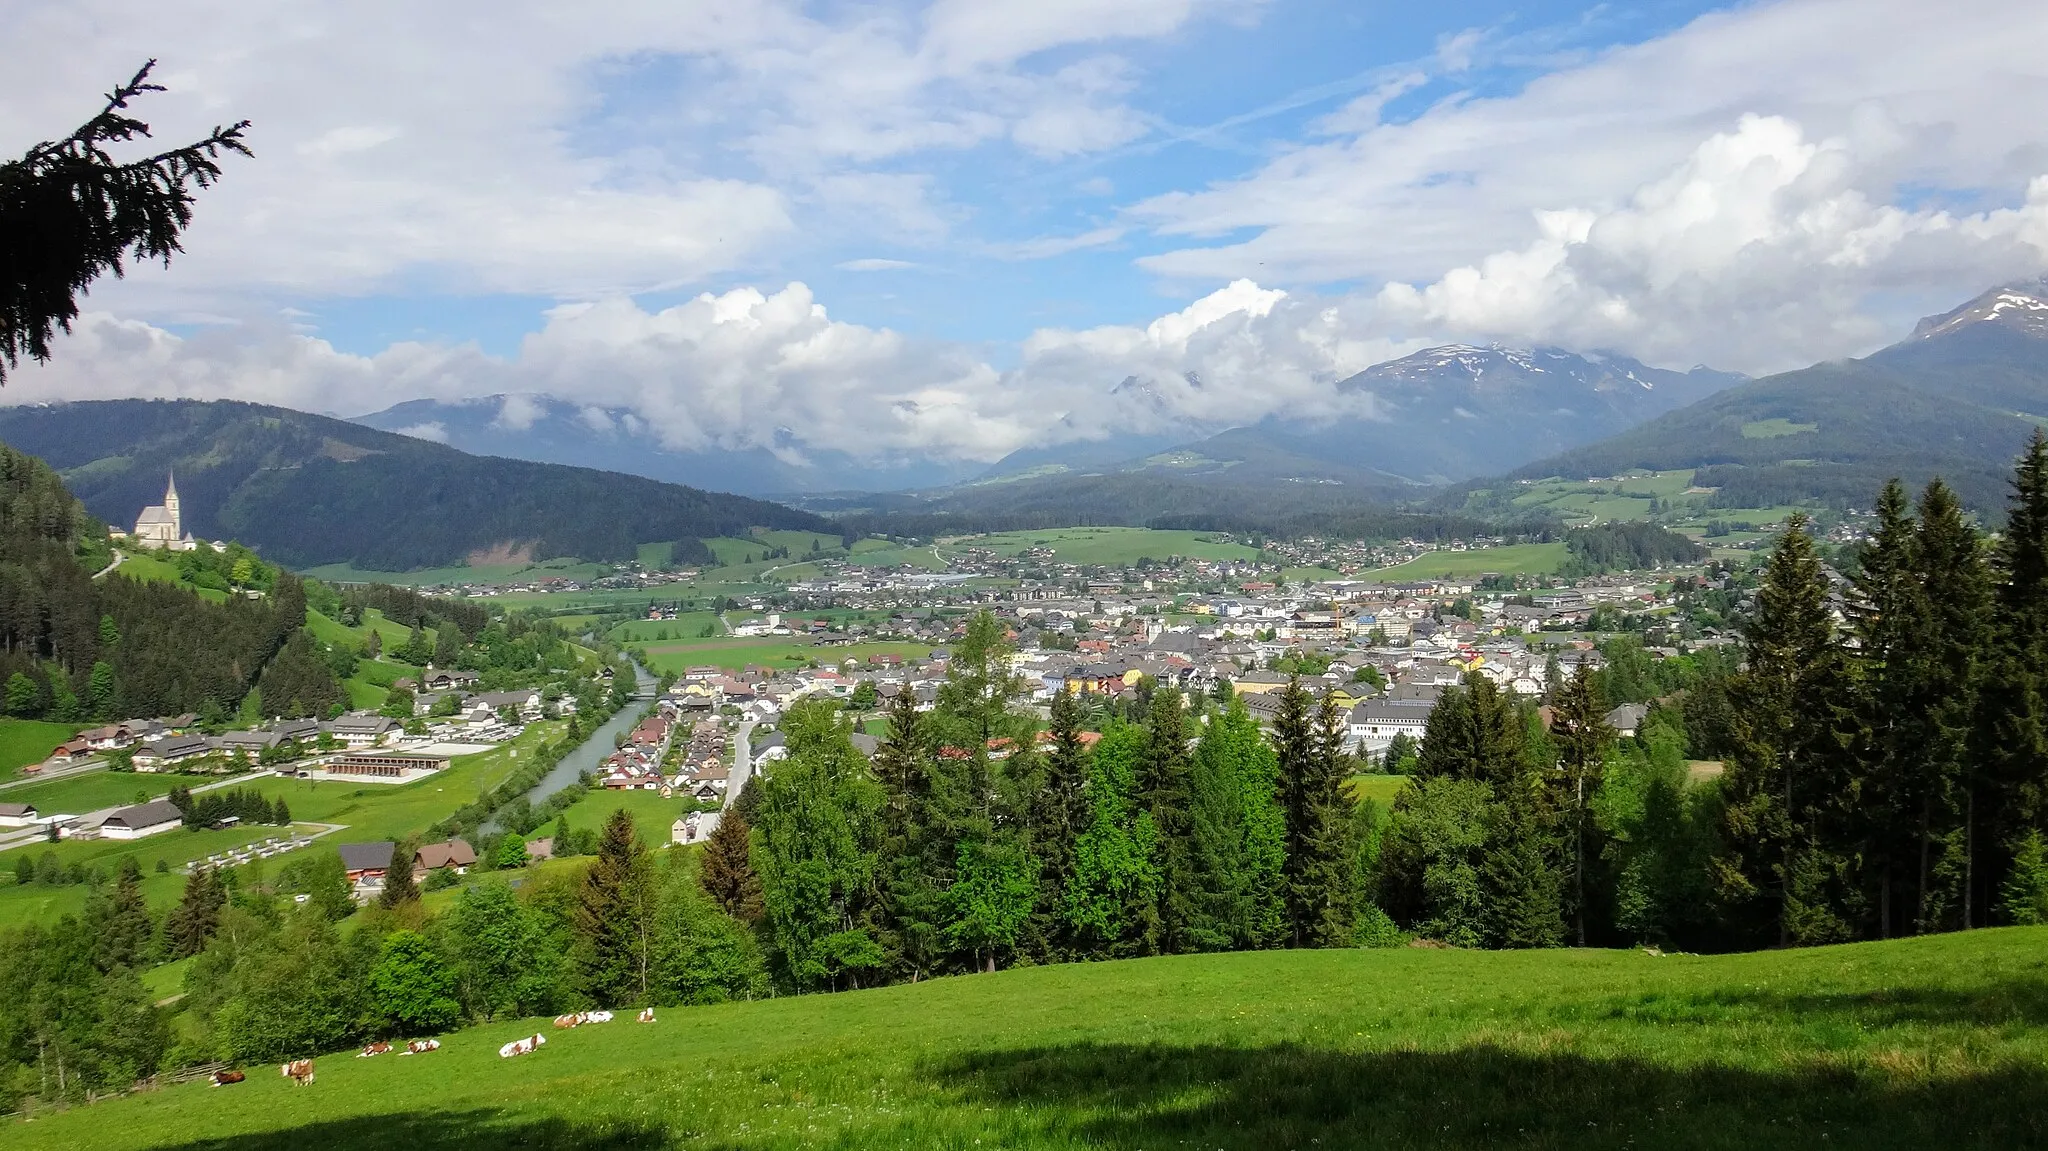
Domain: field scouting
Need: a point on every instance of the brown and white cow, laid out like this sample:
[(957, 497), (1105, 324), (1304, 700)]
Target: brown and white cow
[(522, 1046), (421, 1046), (564, 1022), (299, 1071), (377, 1048), (223, 1078), (646, 1015)]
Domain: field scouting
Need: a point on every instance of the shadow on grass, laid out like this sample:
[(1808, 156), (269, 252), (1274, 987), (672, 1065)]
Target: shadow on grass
[(1277, 1097), (2002, 1004), (414, 1130)]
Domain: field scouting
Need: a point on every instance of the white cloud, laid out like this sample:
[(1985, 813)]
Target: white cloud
[(874, 264), (431, 430), (1046, 247), (518, 411), (1826, 122)]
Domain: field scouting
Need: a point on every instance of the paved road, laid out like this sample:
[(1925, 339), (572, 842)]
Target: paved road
[(119, 556), (742, 762), (66, 772)]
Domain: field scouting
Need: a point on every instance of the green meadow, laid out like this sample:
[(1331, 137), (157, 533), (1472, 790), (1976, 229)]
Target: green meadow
[(1110, 546), (1932, 1042), (26, 741), (771, 651), (1513, 559)]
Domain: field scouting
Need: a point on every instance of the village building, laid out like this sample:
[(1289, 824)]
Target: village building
[(142, 819), (162, 526)]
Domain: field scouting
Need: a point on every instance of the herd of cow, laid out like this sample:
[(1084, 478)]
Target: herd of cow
[(300, 1071)]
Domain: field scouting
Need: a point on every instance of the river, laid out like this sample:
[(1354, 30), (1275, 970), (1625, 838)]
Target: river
[(601, 743)]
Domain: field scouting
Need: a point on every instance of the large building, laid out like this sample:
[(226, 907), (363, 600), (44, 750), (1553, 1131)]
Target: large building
[(163, 525)]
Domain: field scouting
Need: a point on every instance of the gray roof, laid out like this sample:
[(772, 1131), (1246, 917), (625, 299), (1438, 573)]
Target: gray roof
[(18, 810), (366, 856), (145, 815), (1391, 711)]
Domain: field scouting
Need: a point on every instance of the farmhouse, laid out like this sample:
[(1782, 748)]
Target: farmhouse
[(455, 853), (142, 819), (159, 754), (366, 863), (363, 730), (17, 814)]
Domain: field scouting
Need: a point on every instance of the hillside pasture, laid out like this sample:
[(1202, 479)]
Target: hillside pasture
[(1932, 1042), (26, 741), (1513, 559), (777, 652)]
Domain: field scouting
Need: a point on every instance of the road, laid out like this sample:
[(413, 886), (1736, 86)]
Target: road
[(66, 772), (742, 762), (94, 818), (119, 555)]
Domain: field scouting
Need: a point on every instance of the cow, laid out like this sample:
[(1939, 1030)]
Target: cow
[(646, 1015), (223, 1078), (299, 1071), (564, 1022), (522, 1046), (377, 1048), (421, 1046), (597, 1017)]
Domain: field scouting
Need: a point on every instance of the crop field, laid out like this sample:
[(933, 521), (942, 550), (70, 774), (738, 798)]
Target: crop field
[(1931, 1042), (1110, 546), (26, 741), (734, 654), (1514, 559)]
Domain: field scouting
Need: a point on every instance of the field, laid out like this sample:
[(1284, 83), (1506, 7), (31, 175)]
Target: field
[(1110, 546), (653, 816), (1381, 789), (26, 741), (370, 812), (1514, 559), (1934, 1042), (771, 651), (564, 568), (686, 625)]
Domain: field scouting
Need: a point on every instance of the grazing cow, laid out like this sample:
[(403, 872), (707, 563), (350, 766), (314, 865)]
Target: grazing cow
[(597, 1017), (421, 1046), (377, 1048), (564, 1022), (223, 1078), (647, 1015), (299, 1071)]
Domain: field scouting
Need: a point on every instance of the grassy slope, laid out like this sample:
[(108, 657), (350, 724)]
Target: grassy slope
[(1515, 559), (1114, 546), (26, 741), (1930, 1042), (653, 816)]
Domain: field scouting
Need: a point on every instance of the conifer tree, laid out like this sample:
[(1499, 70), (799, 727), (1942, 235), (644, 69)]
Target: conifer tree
[(914, 849), (1058, 813), (610, 952), (125, 935), (1241, 836), (2012, 723), (1318, 823), (192, 923), (727, 874), (1785, 770), (1579, 728), (1163, 793), (1884, 611), (399, 886)]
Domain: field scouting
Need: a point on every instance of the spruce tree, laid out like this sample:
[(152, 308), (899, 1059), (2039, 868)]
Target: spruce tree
[(727, 873), (125, 937), (1163, 793), (1318, 866), (914, 852), (1058, 813), (192, 923), (399, 887), (1785, 771), (608, 928), (1956, 594), (2012, 722), (1579, 728)]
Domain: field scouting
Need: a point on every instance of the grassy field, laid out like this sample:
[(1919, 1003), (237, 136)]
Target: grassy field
[(653, 816), (1111, 546), (565, 568), (26, 741), (369, 811), (1515, 559), (1381, 789), (97, 789), (770, 652), (1935, 1042), (686, 625)]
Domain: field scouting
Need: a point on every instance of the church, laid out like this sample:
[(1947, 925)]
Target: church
[(161, 525)]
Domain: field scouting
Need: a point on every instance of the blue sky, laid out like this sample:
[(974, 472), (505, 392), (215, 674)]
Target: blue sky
[(949, 228)]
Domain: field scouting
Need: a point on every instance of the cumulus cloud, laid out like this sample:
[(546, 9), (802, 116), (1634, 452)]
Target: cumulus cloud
[(431, 430)]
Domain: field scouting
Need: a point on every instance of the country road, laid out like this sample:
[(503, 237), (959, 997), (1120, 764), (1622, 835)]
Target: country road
[(742, 763)]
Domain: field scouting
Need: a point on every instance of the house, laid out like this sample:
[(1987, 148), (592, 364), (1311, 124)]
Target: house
[(1627, 718), (159, 754), (17, 814), (456, 853), (770, 748), (142, 819), (445, 680), (684, 829), (366, 863), (368, 730), (539, 849), (1374, 723)]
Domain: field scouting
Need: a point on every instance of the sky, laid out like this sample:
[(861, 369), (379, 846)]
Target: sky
[(951, 230)]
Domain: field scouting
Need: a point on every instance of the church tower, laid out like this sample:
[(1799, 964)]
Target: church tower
[(171, 506)]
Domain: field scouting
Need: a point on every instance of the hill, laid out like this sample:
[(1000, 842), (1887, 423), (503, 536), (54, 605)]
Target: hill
[(308, 490), (1929, 1042), (1956, 399)]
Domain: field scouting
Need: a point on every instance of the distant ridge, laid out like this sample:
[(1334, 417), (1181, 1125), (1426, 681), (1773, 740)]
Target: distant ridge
[(309, 490)]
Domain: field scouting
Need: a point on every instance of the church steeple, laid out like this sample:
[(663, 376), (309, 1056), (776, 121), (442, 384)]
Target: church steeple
[(171, 506)]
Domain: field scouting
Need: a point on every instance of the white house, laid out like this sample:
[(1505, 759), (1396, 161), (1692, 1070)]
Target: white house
[(142, 819), (1375, 723)]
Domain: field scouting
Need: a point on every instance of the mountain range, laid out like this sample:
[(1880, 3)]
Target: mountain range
[(308, 490), (1957, 398)]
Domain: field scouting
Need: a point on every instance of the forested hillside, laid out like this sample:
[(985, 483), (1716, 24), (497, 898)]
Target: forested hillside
[(73, 649), (307, 490)]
